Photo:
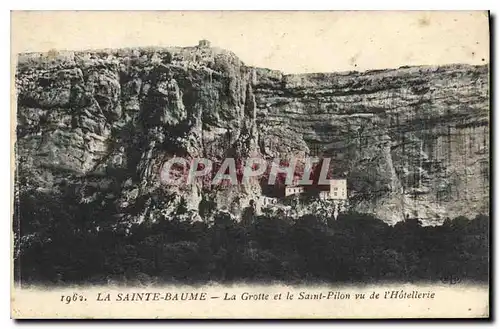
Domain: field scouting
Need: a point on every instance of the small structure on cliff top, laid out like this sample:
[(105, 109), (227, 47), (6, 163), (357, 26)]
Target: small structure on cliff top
[(204, 43)]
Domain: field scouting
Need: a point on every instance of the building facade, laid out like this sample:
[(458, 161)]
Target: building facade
[(338, 189), (324, 195), (293, 190), (335, 190)]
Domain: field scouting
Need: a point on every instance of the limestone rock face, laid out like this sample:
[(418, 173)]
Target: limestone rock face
[(121, 114), (411, 141)]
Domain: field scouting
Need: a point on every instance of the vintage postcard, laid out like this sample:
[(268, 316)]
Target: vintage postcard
[(291, 165)]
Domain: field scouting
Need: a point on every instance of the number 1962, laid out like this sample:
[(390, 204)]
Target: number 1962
[(73, 298)]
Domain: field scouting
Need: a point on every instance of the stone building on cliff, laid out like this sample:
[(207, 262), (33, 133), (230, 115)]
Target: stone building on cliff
[(335, 190)]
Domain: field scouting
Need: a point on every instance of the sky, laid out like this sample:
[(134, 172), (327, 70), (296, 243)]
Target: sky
[(293, 42)]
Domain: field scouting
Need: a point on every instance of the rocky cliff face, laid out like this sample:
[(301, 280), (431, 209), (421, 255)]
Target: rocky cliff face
[(411, 141)]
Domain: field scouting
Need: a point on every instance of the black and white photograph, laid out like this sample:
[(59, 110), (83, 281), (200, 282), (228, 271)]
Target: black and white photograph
[(257, 149)]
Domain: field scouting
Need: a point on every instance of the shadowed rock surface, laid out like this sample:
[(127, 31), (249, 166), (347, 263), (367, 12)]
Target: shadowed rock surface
[(412, 141)]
